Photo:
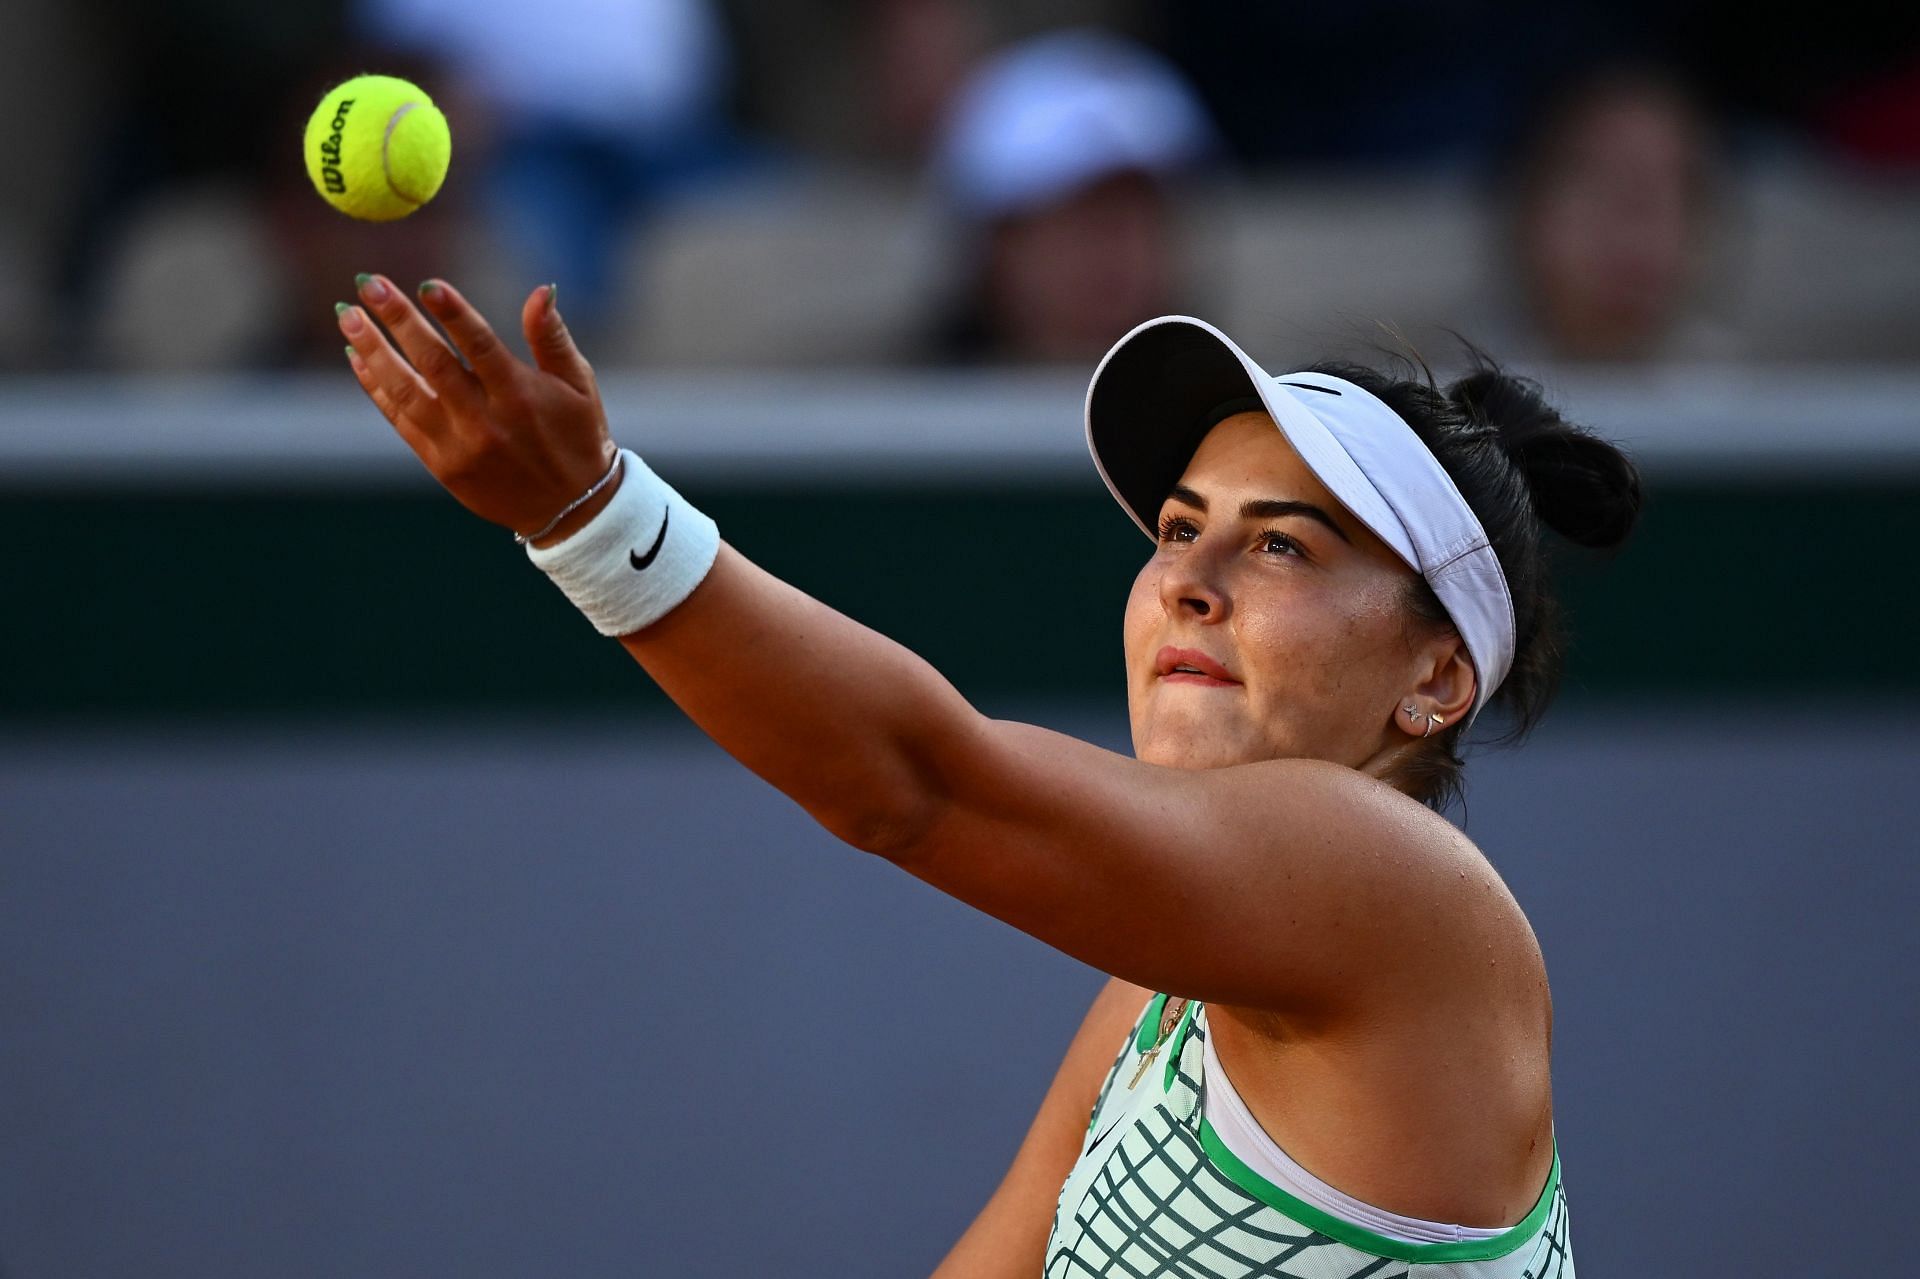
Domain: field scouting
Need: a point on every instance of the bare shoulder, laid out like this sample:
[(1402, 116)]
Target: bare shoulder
[(1440, 891), (1315, 887), (1440, 1031)]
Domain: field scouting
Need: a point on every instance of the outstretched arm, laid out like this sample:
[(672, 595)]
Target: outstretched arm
[(1314, 884), (1120, 864)]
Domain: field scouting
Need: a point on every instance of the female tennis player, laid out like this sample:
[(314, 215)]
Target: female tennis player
[(1324, 1048)]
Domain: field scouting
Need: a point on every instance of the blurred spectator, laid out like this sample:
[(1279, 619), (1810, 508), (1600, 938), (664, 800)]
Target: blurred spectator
[(1847, 78), (1056, 163), (597, 110), (1611, 202), (190, 121), (1383, 82), (877, 76)]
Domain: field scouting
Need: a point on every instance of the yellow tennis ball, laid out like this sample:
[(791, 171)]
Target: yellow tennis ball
[(377, 148)]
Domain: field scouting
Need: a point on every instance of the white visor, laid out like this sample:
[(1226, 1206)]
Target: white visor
[(1157, 394)]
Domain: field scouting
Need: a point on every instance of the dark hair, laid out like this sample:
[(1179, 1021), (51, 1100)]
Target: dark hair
[(1522, 467)]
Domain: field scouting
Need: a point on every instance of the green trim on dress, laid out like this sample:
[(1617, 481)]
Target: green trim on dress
[(1365, 1240)]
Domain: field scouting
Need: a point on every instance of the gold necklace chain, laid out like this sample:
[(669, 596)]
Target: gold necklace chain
[(1169, 1018)]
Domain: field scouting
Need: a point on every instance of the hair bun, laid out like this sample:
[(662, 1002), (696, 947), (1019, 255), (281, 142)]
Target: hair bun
[(1584, 488)]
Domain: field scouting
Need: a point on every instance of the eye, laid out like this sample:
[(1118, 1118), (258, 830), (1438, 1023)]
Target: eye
[(1276, 543), (1178, 528)]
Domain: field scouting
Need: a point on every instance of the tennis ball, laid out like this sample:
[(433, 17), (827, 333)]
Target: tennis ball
[(377, 148)]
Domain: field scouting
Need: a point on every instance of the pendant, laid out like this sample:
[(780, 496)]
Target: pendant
[(1141, 1073), (1169, 1018)]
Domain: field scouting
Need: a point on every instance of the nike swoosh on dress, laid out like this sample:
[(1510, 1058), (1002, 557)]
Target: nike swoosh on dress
[(1103, 1136)]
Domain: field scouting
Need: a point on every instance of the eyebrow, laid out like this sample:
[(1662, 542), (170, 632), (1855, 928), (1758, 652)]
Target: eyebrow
[(1264, 508)]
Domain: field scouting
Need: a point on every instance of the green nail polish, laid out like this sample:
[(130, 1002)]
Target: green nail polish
[(351, 354), (553, 296), (339, 308), (429, 287), (361, 279)]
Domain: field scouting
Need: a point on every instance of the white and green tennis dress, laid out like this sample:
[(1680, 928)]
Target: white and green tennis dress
[(1157, 1191)]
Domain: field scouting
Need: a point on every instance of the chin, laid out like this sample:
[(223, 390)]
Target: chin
[(1183, 749), (1198, 755)]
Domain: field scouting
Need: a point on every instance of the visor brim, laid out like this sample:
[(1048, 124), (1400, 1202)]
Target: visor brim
[(1155, 396), (1149, 403)]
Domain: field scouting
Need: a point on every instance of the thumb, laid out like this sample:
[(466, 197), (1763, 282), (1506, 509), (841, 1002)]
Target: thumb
[(551, 344)]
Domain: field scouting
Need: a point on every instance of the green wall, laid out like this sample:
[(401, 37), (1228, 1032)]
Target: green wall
[(263, 603)]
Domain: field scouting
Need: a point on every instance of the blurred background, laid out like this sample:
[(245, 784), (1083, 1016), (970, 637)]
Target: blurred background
[(362, 913)]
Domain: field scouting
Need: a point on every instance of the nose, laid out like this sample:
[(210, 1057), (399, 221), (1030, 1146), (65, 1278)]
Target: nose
[(1191, 587)]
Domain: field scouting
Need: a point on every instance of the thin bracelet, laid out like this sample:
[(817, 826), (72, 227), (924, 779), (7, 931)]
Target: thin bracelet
[(521, 539)]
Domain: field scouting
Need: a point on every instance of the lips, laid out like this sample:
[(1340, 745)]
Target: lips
[(1191, 666)]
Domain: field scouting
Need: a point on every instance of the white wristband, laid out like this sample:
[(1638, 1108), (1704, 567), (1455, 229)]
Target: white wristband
[(636, 560)]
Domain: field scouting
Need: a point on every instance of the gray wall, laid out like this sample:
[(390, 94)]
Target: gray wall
[(539, 999)]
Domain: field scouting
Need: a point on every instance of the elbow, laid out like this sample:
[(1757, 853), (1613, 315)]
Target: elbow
[(891, 831), (894, 810)]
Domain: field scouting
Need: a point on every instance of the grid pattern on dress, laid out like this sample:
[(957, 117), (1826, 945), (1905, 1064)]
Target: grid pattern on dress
[(1159, 1207)]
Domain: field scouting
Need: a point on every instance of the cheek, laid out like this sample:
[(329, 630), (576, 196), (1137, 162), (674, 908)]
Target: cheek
[(1328, 647), (1136, 630), (1143, 611)]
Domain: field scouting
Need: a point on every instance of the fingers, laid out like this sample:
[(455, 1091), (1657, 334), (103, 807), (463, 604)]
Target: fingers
[(551, 344), (492, 363), (417, 437), (438, 366), (395, 387)]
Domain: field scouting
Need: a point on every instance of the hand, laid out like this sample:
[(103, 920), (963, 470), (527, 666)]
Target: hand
[(513, 442)]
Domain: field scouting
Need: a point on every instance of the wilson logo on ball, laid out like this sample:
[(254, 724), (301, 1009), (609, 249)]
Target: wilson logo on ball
[(330, 173)]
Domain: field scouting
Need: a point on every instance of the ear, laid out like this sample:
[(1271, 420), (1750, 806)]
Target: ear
[(1444, 690)]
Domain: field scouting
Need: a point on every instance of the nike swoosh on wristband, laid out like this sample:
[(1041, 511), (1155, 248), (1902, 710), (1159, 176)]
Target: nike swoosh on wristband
[(640, 561)]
